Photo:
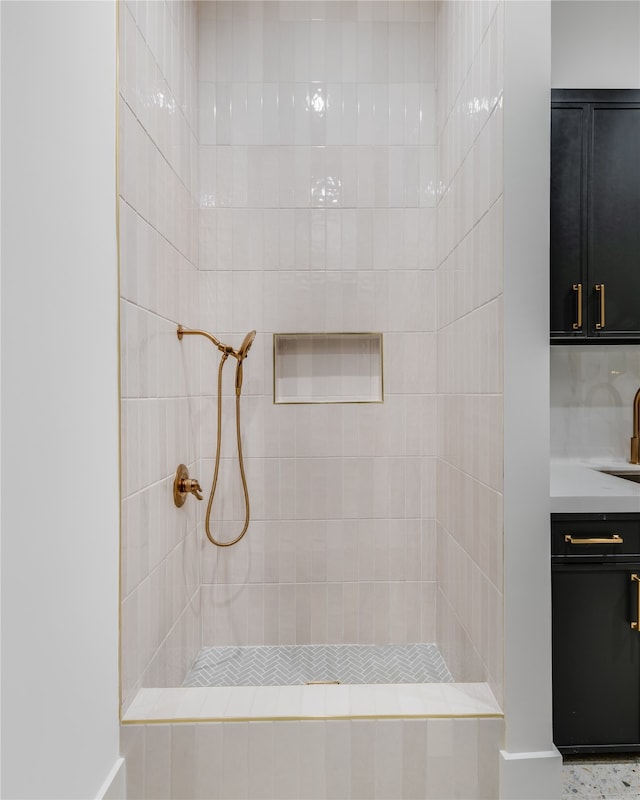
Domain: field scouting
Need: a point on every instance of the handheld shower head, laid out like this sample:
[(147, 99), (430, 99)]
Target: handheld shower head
[(246, 345), (241, 354)]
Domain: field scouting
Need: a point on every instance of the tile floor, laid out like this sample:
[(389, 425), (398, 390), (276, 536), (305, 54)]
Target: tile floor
[(291, 665), (615, 777)]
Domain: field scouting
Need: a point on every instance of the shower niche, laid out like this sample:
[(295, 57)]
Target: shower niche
[(327, 368)]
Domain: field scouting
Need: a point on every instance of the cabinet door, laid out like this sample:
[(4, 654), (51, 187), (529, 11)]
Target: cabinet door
[(568, 208), (596, 659), (614, 221)]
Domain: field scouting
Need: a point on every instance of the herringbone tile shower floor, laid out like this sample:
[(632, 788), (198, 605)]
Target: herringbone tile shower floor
[(286, 665)]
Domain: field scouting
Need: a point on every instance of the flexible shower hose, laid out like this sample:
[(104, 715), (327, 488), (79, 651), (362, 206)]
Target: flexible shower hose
[(217, 463)]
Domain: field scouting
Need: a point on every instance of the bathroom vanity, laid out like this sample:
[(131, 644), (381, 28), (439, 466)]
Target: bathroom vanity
[(595, 576)]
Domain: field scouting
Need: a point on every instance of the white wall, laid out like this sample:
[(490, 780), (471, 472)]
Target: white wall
[(595, 44), (59, 400), (530, 765)]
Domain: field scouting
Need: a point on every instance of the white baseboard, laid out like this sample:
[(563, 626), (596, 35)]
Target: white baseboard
[(531, 776), (115, 785)]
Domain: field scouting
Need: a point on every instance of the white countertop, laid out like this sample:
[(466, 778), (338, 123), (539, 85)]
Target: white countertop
[(578, 487)]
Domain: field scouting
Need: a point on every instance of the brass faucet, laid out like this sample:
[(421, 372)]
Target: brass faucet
[(635, 439)]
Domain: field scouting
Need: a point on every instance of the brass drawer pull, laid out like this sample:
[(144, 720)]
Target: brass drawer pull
[(615, 539), (600, 289), (577, 287), (636, 625)]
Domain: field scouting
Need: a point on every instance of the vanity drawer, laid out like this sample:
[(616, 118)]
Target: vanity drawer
[(590, 537)]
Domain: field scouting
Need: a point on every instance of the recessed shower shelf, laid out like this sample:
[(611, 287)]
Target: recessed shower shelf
[(327, 368)]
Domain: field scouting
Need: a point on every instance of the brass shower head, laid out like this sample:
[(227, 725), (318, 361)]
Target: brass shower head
[(245, 346)]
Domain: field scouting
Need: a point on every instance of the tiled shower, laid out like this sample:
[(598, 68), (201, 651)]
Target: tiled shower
[(312, 167)]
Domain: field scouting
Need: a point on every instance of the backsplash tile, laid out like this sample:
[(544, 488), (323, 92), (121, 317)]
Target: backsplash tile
[(592, 391)]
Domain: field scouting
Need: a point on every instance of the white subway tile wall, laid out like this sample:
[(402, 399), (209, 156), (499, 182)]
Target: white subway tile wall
[(158, 207), (318, 164), (434, 759), (469, 339)]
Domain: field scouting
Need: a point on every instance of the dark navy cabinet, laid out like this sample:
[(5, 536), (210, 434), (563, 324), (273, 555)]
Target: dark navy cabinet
[(596, 642), (595, 216)]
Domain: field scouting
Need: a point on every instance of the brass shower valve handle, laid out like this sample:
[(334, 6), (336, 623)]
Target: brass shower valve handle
[(184, 485), (190, 485)]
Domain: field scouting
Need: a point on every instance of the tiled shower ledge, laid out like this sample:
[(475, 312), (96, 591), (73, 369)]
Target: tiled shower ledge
[(342, 701)]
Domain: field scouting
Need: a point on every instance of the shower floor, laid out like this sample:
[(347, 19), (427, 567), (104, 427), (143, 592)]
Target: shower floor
[(287, 665)]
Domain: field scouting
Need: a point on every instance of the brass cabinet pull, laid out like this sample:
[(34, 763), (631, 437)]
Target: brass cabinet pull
[(577, 287), (636, 625), (615, 539), (600, 288)]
